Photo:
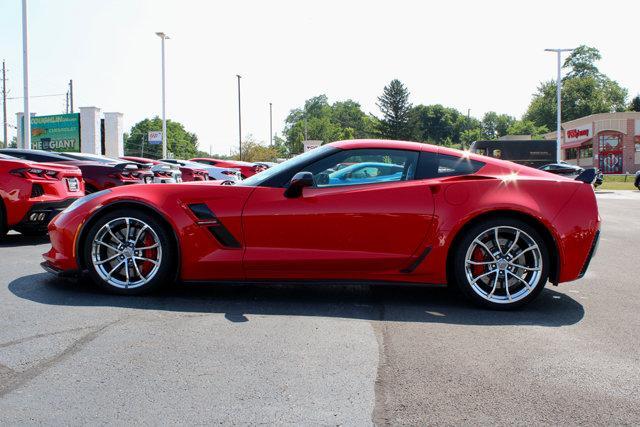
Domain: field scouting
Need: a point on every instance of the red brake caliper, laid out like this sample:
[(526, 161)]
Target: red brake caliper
[(478, 256), (146, 266)]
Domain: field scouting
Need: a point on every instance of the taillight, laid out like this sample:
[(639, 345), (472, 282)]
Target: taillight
[(162, 174), (34, 173)]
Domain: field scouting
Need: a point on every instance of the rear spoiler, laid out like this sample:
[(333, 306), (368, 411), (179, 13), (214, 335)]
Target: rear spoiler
[(129, 166), (588, 176)]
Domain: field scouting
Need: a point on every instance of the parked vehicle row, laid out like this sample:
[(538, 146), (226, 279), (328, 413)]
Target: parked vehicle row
[(93, 173), (31, 194)]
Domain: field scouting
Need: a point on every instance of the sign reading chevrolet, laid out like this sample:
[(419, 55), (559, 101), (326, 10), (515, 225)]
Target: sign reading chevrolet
[(60, 132)]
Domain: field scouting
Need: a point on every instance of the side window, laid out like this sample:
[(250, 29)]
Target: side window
[(364, 166), (433, 165)]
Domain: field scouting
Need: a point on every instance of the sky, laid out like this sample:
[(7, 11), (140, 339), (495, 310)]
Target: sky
[(472, 55)]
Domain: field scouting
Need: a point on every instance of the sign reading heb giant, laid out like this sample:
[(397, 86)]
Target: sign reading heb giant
[(60, 132), (578, 134)]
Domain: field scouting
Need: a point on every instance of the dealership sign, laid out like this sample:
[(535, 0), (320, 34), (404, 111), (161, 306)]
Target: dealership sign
[(578, 134), (60, 132), (155, 137)]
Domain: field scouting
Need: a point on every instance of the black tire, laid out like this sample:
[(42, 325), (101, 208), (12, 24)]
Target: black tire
[(165, 273), (34, 233), (3, 221), (459, 264)]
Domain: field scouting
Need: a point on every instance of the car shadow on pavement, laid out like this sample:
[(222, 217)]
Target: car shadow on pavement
[(14, 240), (238, 302)]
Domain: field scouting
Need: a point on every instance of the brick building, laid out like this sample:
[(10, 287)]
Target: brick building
[(608, 141)]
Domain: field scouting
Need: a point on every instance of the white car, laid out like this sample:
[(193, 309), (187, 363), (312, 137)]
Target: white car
[(215, 173), (166, 173)]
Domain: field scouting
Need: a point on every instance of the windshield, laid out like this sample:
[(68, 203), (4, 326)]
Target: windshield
[(292, 163)]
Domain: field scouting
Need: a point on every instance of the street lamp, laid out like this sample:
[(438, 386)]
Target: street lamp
[(163, 37), (26, 120), (270, 125), (239, 119), (559, 101)]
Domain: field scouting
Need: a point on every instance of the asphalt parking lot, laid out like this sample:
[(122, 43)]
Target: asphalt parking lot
[(350, 355)]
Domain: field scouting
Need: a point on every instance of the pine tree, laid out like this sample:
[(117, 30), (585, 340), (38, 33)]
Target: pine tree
[(635, 104), (395, 107)]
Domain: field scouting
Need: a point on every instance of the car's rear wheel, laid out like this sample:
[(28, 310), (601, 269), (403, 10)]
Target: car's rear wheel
[(3, 221), (129, 252), (501, 263)]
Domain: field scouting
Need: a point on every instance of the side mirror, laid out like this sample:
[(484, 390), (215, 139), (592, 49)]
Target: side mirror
[(588, 176), (297, 183)]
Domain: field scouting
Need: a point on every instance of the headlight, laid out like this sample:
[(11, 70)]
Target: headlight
[(82, 200)]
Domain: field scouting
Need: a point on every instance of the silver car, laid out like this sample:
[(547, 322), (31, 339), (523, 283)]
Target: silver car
[(215, 173)]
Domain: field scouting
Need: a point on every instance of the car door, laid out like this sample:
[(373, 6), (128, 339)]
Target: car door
[(343, 226)]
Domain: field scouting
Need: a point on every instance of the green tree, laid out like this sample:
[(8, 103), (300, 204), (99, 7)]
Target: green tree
[(495, 125), (180, 142), (635, 104), (395, 107), (585, 91), (319, 120), (470, 135), (438, 124), (527, 127), (582, 62), (254, 151)]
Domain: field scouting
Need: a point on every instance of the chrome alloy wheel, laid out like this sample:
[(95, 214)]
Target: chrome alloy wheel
[(126, 253), (503, 264)]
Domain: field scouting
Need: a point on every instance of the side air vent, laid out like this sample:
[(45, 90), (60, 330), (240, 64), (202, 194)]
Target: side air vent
[(224, 236), (37, 190), (207, 218), (202, 211)]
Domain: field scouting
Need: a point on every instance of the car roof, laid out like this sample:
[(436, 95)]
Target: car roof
[(51, 154)]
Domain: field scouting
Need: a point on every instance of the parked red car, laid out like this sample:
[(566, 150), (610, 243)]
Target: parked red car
[(496, 230), (98, 172), (246, 169), (33, 193), (188, 174)]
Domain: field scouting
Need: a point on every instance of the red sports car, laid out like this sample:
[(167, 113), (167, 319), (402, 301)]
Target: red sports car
[(246, 169), (33, 193), (408, 213)]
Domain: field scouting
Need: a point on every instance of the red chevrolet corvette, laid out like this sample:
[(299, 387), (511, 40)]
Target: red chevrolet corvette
[(33, 193), (399, 212)]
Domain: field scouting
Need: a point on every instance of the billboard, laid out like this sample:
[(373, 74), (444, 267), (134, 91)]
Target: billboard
[(60, 132), (155, 137)]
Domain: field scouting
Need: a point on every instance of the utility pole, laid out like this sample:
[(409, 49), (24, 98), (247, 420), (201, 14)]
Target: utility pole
[(4, 104), (26, 127), (66, 110), (270, 125), (163, 36), (559, 102), (239, 120), (71, 96)]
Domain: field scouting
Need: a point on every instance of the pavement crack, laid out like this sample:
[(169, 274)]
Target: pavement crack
[(35, 337), (19, 378), (380, 414)]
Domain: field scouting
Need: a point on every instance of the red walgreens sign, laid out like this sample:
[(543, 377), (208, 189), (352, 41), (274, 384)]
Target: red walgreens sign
[(577, 133)]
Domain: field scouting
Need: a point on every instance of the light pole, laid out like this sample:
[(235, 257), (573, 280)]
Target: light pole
[(270, 124), (239, 119), (559, 101), (163, 37), (26, 127)]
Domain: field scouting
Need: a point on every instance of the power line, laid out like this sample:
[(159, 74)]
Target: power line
[(38, 96)]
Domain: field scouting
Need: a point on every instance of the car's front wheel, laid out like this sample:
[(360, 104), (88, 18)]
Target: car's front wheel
[(129, 252), (501, 263)]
